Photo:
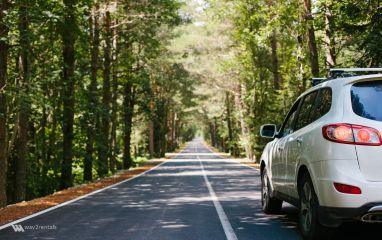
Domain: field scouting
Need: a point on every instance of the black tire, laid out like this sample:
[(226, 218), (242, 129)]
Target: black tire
[(310, 227), (270, 205)]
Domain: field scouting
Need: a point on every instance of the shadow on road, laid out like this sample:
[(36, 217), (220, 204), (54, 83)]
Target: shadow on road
[(359, 230), (348, 231)]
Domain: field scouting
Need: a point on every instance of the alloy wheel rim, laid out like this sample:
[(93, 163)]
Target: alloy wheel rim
[(306, 207), (264, 189)]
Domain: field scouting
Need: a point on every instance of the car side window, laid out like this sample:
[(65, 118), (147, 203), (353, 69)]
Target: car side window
[(323, 104), (304, 116), (288, 125)]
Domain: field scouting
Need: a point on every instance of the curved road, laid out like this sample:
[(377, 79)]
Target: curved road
[(196, 195)]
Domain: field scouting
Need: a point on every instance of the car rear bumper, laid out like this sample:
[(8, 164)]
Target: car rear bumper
[(335, 207), (335, 216), (326, 173)]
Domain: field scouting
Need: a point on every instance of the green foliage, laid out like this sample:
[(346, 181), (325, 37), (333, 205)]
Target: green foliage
[(139, 58), (261, 43), (361, 24)]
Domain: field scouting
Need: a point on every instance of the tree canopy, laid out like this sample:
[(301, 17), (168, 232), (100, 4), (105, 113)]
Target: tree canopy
[(253, 58)]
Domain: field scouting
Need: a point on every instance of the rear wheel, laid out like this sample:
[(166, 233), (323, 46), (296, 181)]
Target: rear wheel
[(310, 226), (269, 204)]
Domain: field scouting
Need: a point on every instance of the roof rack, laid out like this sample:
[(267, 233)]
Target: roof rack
[(350, 72), (344, 72), (316, 81)]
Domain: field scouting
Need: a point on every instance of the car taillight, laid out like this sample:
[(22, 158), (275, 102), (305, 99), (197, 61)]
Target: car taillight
[(348, 189), (352, 134)]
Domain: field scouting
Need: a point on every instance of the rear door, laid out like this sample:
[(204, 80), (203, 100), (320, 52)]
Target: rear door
[(314, 105), (279, 158), (295, 142), (366, 107)]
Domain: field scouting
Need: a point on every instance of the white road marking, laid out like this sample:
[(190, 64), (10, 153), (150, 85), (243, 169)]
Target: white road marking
[(79, 198), (228, 230)]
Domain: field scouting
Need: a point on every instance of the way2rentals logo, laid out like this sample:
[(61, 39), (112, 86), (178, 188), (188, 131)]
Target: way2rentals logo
[(21, 228), (18, 228)]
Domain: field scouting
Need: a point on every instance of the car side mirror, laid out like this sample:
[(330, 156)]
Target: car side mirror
[(268, 131)]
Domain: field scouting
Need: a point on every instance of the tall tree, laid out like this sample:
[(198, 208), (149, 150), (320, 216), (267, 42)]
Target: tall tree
[(4, 5), (114, 103), (151, 130), (103, 152), (275, 61), (313, 51), (128, 105), (68, 34), (329, 43), (246, 138), (23, 114), (229, 119), (92, 113)]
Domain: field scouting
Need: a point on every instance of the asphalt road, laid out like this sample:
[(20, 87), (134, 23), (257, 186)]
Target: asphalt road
[(196, 195)]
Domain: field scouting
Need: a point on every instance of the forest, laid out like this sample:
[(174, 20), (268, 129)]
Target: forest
[(91, 87)]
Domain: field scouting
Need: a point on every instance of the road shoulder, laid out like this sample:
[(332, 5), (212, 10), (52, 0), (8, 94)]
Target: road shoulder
[(243, 161)]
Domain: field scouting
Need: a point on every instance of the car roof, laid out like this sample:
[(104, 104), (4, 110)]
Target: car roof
[(343, 81)]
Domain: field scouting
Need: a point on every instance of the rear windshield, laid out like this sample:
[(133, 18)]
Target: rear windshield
[(367, 99)]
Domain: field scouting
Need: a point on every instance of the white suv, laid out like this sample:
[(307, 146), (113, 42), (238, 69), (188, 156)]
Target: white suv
[(326, 158)]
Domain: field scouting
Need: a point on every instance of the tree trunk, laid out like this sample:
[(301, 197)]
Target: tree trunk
[(43, 145), (173, 144), (3, 103), (315, 68), (213, 133), (151, 129), (68, 40), (275, 62), (215, 124), (159, 116), (128, 105), (114, 107), (301, 76), (23, 123), (231, 141), (244, 128), (92, 94), (52, 144), (164, 130), (103, 152), (54, 94), (329, 42)]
